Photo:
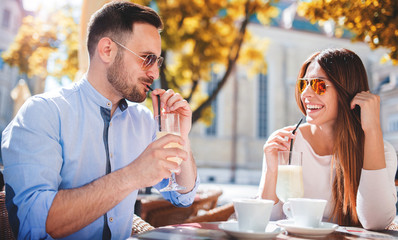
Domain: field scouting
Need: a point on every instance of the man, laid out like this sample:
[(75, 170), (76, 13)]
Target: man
[(74, 159)]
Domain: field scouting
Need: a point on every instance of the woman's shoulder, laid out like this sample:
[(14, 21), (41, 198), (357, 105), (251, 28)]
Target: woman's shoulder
[(389, 152), (302, 136), (305, 130), (391, 158), (388, 147)]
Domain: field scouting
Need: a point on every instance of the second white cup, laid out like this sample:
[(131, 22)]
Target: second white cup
[(253, 214), (306, 212)]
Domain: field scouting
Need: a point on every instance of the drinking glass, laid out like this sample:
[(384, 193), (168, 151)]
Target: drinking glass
[(169, 123), (290, 176)]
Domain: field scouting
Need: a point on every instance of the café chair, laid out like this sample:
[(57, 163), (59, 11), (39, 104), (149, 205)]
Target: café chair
[(160, 212), (165, 213), (5, 228), (206, 200), (392, 226), (140, 226), (221, 213)]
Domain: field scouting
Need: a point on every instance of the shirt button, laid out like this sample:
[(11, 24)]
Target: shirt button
[(110, 124), (111, 155), (108, 104), (111, 219)]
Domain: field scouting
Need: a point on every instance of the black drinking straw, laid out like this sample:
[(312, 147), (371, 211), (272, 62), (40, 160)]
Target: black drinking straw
[(159, 118), (291, 141)]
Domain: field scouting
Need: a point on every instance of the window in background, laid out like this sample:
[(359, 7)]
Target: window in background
[(393, 123), (1, 60), (212, 129), (262, 106), (2, 102), (6, 19)]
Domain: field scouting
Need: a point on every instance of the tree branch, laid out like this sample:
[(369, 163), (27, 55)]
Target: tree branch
[(231, 64), (193, 88), (163, 81)]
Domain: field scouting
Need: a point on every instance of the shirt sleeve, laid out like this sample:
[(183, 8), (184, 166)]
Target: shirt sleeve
[(32, 157), (176, 198), (377, 194)]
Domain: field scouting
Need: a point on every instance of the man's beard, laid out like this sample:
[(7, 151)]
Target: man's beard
[(119, 78)]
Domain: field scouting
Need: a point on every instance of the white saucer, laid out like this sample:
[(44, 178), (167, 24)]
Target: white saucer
[(232, 229), (323, 229)]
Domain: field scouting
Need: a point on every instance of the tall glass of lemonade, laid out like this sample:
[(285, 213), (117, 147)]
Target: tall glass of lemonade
[(169, 123), (290, 176)]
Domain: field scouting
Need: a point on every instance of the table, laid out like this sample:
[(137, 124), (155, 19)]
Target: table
[(210, 230)]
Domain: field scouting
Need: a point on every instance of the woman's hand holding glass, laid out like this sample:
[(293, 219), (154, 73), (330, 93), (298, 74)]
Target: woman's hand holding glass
[(278, 143)]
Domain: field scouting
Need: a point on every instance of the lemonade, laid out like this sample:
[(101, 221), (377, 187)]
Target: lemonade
[(289, 182), (169, 123), (171, 145)]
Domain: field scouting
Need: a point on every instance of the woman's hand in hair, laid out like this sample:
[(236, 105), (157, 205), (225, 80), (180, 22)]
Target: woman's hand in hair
[(370, 110), (374, 158)]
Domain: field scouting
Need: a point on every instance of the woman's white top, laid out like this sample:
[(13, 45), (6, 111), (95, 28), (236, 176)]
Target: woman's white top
[(376, 197)]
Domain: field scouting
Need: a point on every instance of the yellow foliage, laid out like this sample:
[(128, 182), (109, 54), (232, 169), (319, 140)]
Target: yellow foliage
[(31, 45), (207, 116), (37, 40), (253, 56), (142, 2), (367, 19), (38, 62), (68, 30)]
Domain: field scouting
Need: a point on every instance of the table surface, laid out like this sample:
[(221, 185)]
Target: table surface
[(210, 230)]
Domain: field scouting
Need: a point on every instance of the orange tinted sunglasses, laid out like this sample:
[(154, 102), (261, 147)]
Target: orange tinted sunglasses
[(318, 85)]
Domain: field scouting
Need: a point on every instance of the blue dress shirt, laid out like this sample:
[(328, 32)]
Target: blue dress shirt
[(66, 139)]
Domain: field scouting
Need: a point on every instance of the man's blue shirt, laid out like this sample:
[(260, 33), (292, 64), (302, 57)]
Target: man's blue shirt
[(66, 139)]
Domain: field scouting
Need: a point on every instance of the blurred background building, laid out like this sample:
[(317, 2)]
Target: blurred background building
[(249, 108)]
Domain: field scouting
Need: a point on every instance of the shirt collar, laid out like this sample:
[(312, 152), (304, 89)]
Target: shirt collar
[(98, 98), (123, 104)]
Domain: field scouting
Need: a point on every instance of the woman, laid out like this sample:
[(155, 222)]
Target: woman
[(345, 160)]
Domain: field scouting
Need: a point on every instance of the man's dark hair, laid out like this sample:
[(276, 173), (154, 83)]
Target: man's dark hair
[(115, 20)]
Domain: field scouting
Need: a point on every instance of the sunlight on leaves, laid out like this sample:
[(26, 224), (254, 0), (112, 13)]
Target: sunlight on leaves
[(372, 21)]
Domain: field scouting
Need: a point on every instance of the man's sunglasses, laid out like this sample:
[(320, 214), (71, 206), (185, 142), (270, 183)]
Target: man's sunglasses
[(149, 59), (318, 85)]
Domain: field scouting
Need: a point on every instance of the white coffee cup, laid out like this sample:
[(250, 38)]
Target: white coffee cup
[(305, 212), (253, 214)]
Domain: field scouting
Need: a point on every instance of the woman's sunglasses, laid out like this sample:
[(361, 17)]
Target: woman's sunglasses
[(318, 85)]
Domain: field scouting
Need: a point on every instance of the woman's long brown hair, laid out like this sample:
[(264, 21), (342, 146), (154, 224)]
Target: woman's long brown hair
[(347, 73)]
